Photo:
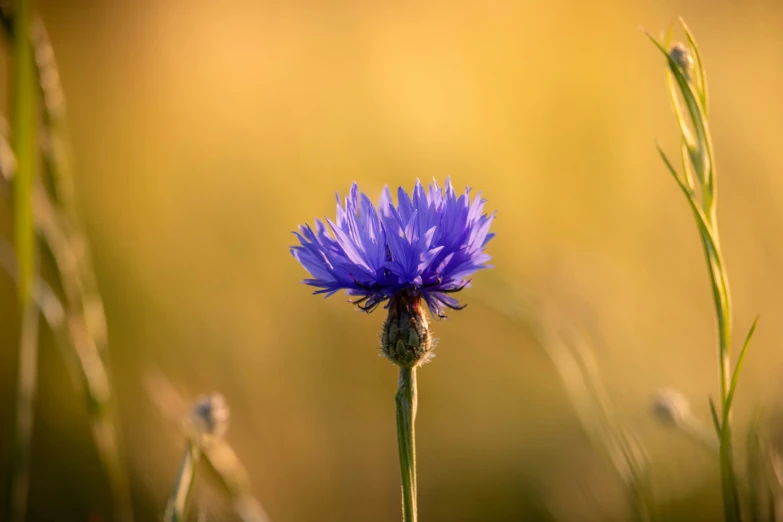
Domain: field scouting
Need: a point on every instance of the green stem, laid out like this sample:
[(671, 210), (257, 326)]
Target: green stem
[(407, 400), (23, 139), (23, 143), (698, 148), (179, 501), (723, 314)]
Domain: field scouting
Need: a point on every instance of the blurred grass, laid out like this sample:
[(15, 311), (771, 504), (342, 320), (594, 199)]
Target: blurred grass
[(204, 133)]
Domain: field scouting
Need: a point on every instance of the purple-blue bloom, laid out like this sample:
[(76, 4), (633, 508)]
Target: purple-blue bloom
[(427, 246)]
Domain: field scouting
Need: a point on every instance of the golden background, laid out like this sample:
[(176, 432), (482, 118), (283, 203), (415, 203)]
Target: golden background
[(205, 132)]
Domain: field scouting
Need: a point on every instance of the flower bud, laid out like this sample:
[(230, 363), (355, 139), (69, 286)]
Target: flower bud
[(406, 340), (682, 57), (671, 407), (210, 415)]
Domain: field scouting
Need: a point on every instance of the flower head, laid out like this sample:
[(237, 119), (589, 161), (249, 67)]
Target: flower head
[(427, 246)]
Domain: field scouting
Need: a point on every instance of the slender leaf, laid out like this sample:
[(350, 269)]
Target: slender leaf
[(702, 78), (715, 418), (737, 369), (696, 113)]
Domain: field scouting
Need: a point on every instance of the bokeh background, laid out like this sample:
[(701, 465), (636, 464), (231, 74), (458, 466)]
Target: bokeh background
[(205, 132)]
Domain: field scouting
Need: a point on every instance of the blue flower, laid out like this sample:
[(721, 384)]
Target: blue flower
[(426, 247)]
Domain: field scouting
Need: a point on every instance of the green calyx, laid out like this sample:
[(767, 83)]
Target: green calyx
[(406, 340)]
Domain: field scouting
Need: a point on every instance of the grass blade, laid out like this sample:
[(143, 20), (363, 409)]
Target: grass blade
[(697, 116), (702, 78), (715, 418), (737, 369)]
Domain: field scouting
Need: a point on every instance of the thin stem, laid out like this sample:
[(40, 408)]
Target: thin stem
[(407, 400), (723, 314), (179, 501), (23, 139), (25, 412), (23, 143)]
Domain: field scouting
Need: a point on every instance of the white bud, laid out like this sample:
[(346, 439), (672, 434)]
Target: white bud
[(681, 55), (210, 415), (671, 407)]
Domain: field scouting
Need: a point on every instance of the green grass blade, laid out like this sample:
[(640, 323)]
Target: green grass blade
[(737, 369), (701, 219), (686, 168), (672, 170), (701, 78), (696, 114), (718, 278), (715, 418), (671, 85)]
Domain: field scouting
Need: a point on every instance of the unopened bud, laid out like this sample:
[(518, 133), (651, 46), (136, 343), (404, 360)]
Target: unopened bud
[(671, 407), (681, 55), (210, 415), (406, 339)]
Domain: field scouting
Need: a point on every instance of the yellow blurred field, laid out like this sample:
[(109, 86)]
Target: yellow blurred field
[(205, 132)]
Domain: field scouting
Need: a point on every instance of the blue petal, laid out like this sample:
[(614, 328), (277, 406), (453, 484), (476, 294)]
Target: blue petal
[(431, 242)]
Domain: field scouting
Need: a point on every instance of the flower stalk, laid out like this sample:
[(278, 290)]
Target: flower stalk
[(687, 82), (407, 402), (206, 425), (406, 341), (179, 501)]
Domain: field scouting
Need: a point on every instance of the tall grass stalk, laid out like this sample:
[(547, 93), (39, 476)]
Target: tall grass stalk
[(24, 146), (687, 87), (24, 142), (81, 327), (58, 223), (569, 347), (90, 357)]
